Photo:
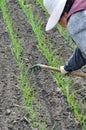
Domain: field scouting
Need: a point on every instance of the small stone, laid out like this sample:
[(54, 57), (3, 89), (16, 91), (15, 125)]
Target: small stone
[(8, 111), (10, 127), (58, 90)]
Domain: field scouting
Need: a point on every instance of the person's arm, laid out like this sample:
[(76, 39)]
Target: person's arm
[(76, 61)]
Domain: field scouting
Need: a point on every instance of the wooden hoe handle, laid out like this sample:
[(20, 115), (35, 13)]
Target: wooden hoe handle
[(75, 73)]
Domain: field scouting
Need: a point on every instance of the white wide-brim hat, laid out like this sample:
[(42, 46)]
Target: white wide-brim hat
[(55, 9)]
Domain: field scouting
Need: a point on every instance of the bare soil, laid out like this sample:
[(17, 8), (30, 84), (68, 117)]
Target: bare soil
[(53, 102)]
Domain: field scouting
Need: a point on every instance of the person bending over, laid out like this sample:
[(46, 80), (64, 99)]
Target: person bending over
[(70, 14)]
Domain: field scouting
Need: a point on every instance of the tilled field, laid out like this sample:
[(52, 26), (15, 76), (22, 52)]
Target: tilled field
[(53, 102)]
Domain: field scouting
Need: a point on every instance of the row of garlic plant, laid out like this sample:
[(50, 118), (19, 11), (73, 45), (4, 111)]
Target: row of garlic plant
[(26, 88), (63, 82)]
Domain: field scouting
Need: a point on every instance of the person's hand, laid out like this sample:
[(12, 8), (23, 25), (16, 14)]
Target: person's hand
[(62, 70)]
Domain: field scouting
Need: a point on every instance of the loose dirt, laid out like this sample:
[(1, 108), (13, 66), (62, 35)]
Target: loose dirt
[(53, 102)]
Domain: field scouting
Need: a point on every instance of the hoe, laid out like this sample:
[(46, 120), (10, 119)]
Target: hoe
[(42, 66)]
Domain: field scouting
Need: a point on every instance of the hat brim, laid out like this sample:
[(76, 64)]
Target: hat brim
[(55, 16)]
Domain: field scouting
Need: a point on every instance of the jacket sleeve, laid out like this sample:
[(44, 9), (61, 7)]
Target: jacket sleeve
[(76, 61)]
